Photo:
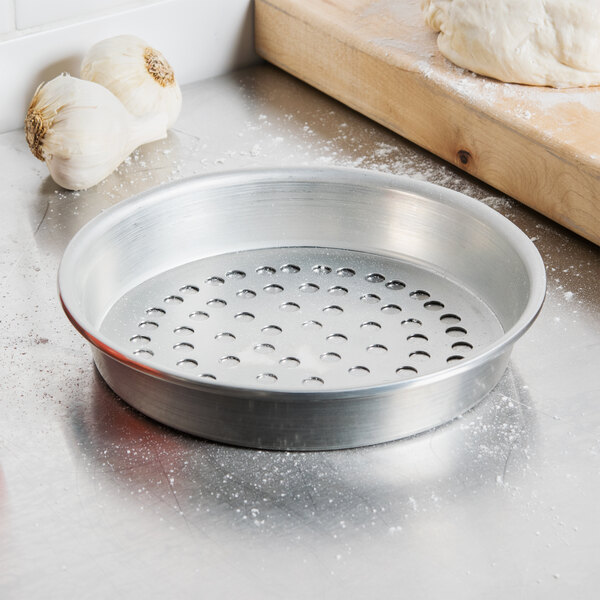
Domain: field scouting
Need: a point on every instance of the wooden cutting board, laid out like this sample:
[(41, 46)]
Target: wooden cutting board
[(538, 145)]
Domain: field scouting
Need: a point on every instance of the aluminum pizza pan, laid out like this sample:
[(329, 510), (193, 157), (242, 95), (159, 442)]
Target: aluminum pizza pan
[(301, 309)]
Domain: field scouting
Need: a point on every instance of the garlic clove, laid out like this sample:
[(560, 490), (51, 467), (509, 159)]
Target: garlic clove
[(83, 132), (136, 73)]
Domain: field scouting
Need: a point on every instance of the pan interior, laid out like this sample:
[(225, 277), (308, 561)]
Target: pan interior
[(301, 318)]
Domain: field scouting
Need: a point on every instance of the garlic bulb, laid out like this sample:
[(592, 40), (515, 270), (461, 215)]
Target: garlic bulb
[(83, 132), (138, 75)]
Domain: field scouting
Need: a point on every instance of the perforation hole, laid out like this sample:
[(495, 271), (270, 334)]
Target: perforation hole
[(395, 284), (199, 315), (244, 317), (334, 309), (289, 268), (456, 331), (462, 347), (370, 326), (189, 289), (406, 372), (289, 362), (235, 274), (321, 270), (148, 325), (144, 352), (187, 363), (271, 330), (433, 305), (309, 288), (217, 303), (156, 312), (273, 288), (454, 358), (246, 294), (375, 278), (411, 323), (183, 347), (450, 319), (359, 371), (313, 382), (139, 339), (183, 330), (207, 376), (214, 281), (312, 325), (173, 300), (390, 309), (229, 361), (377, 349), (337, 338), (346, 272), (289, 307), (264, 348), (225, 336), (370, 298), (419, 295), (266, 378), (417, 337), (266, 271), (419, 356), (330, 357), (337, 290)]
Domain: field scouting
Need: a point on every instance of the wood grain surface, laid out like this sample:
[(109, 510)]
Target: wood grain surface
[(538, 145)]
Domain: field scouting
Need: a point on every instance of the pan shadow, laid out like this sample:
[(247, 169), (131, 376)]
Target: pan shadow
[(211, 484)]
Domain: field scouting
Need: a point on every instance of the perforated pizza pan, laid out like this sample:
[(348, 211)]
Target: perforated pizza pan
[(301, 308)]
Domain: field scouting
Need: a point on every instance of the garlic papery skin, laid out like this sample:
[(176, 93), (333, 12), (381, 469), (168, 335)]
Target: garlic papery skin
[(137, 74), (83, 132)]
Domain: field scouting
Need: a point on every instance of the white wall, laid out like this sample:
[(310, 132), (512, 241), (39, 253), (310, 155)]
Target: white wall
[(39, 39)]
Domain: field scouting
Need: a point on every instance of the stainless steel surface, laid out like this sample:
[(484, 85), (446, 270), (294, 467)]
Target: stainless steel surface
[(97, 500), (179, 286)]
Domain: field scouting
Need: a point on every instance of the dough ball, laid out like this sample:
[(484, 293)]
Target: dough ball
[(537, 42)]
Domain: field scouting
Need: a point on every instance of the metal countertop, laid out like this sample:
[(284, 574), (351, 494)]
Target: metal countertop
[(97, 500)]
